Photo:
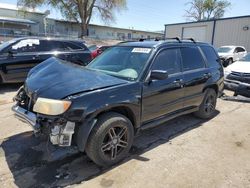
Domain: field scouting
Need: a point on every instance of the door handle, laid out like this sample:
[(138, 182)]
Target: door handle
[(178, 82), (207, 75)]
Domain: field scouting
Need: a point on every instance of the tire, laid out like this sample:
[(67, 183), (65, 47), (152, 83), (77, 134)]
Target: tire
[(110, 139), (207, 107)]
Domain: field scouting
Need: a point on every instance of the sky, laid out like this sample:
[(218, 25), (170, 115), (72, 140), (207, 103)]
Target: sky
[(152, 15)]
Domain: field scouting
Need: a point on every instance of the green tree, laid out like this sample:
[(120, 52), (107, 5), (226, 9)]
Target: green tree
[(206, 9), (81, 11)]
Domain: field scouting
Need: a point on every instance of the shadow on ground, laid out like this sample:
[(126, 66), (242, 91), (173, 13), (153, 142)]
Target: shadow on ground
[(29, 170)]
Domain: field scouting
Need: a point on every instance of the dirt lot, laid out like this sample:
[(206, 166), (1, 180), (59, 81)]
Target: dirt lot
[(185, 152)]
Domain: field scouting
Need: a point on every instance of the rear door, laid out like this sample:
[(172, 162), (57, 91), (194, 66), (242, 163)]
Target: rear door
[(242, 52), (195, 75), (161, 97)]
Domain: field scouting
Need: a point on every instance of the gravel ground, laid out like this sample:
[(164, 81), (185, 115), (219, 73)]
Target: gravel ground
[(185, 152)]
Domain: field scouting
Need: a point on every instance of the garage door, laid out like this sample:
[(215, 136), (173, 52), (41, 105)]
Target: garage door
[(197, 33)]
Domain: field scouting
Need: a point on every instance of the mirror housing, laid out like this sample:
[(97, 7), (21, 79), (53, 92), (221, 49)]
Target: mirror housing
[(158, 75)]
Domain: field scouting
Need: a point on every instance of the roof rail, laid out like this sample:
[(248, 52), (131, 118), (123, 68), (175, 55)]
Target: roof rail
[(174, 38), (190, 39)]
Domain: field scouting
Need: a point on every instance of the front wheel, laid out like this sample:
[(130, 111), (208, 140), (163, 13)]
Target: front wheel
[(207, 107), (110, 140)]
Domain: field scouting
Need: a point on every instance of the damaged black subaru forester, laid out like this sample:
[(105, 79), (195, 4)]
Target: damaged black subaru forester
[(130, 87)]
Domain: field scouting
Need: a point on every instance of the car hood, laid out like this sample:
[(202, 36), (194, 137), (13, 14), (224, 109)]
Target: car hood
[(240, 66), (57, 79)]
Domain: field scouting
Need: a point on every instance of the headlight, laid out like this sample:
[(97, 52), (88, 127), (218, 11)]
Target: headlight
[(51, 107)]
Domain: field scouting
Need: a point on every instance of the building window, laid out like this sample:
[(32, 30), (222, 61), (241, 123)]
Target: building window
[(129, 35)]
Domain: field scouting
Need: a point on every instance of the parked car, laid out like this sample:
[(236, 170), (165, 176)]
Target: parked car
[(131, 87), (94, 50), (18, 56), (230, 54), (101, 49), (237, 77)]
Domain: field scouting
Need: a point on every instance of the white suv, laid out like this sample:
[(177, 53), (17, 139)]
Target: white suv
[(229, 54)]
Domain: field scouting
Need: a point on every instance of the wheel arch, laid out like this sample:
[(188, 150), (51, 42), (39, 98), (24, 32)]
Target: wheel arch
[(213, 86), (85, 129)]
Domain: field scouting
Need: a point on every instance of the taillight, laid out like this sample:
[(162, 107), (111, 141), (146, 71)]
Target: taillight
[(92, 55)]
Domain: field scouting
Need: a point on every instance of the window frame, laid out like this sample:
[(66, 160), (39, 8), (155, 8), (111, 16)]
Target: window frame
[(202, 56), (205, 57), (160, 51)]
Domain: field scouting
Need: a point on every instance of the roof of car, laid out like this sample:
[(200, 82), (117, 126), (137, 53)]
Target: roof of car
[(232, 46), (154, 44), (49, 38)]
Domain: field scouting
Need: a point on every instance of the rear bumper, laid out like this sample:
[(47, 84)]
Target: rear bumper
[(238, 87), (26, 116)]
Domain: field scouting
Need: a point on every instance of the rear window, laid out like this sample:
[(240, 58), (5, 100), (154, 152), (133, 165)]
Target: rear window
[(211, 56), (191, 58)]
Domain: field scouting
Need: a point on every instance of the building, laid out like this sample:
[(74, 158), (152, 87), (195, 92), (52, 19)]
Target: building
[(15, 22), (219, 32)]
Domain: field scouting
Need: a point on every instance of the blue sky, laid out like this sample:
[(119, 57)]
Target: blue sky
[(152, 15)]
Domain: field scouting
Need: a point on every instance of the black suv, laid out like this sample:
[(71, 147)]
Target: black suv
[(130, 87), (18, 56)]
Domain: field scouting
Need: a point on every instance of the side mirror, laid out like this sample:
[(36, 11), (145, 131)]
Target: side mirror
[(158, 75)]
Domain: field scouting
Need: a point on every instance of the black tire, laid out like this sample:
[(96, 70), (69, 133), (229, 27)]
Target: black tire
[(207, 107), (110, 140)]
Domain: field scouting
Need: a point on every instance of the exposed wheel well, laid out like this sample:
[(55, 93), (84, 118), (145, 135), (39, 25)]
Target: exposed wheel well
[(214, 86), (124, 111)]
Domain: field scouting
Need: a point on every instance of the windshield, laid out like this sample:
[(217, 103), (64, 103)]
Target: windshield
[(5, 44), (123, 62), (224, 49), (246, 58)]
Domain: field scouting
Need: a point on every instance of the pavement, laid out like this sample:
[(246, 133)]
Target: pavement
[(184, 152)]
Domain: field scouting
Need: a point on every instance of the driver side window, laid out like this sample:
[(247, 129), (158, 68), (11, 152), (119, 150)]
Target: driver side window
[(168, 60)]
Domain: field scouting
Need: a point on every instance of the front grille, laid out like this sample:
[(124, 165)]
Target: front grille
[(239, 76)]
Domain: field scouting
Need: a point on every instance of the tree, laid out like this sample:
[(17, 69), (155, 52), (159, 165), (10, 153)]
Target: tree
[(80, 11), (206, 9)]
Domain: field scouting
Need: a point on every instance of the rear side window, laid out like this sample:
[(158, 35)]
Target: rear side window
[(212, 58), (47, 45), (168, 60), (72, 46), (191, 58), (240, 49)]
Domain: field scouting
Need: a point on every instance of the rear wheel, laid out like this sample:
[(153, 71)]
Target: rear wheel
[(207, 107), (111, 139)]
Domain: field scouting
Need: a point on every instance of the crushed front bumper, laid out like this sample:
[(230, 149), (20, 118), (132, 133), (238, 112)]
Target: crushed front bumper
[(239, 88), (60, 133), (26, 117)]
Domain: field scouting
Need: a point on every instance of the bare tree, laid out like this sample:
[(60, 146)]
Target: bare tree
[(206, 9), (80, 11)]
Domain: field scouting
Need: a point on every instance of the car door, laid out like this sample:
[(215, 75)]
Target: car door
[(19, 59), (236, 54), (161, 97), (242, 52), (195, 75)]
